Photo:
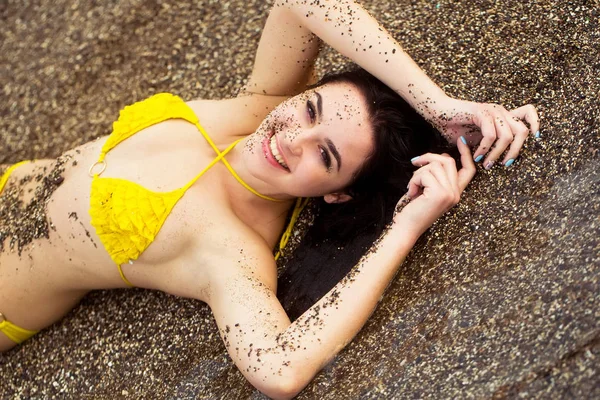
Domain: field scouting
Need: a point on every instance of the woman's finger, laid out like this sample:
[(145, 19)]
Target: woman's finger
[(521, 131), (529, 113), (427, 158), (444, 159), (425, 183), (504, 137), (414, 189), (415, 185), (441, 175), (488, 131), (443, 185), (467, 172)]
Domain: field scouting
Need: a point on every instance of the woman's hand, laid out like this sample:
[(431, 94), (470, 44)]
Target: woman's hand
[(491, 126), (434, 188)]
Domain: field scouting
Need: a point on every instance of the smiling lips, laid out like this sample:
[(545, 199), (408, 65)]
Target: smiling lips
[(272, 152)]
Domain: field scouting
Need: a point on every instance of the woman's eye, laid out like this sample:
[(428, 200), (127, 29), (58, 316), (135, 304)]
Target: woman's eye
[(325, 157), (311, 110)]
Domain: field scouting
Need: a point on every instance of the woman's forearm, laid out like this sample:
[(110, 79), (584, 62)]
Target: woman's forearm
[(328, 326), (351, 30), (285, 56), (279, 357)]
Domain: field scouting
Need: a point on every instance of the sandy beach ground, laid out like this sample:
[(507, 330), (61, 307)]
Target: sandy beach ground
[(500, 299)]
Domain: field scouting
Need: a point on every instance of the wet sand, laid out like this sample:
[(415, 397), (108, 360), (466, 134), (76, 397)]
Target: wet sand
[(499, 299)]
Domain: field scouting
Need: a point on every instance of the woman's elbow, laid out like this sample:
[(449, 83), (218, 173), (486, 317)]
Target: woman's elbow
[(284, 387)]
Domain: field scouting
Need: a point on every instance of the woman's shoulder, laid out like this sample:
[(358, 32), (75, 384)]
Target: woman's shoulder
[(234, 117)]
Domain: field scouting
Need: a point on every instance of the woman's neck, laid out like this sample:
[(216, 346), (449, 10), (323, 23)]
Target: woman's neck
[(264, 216)]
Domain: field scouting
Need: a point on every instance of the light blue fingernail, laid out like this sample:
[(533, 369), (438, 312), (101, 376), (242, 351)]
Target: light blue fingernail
[(537, 135), (462, 139), (479, 157), (414, 159), (509, 162)]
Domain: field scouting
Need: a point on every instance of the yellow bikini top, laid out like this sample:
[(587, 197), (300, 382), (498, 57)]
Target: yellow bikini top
[(127, 217)]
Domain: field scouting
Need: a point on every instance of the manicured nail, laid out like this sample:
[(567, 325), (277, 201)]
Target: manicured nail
[(537, 135), (412, 160), (479, 157), (509, 162), (489, 165), (462, 139)]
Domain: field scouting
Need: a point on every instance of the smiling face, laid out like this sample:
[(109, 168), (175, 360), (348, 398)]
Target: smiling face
[(312, 144)]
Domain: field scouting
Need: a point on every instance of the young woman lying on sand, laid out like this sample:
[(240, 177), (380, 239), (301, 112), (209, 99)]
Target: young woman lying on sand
[(171, 199)]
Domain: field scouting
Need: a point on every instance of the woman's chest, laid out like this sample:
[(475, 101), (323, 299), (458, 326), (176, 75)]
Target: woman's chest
[(200, 238)]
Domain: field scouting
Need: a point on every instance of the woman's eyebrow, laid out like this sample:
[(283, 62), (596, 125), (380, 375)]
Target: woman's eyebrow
[(335, 152), (319, 105), (330, 144)]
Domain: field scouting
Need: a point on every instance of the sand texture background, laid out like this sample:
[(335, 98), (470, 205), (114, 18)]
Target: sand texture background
[(501, 298)]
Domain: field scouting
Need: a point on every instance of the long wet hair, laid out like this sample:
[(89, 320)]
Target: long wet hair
[(399, 134)]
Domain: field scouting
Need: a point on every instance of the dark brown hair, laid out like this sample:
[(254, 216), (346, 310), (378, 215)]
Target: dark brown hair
[(399, 134)]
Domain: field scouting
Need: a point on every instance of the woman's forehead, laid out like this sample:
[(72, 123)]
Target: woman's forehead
[(346, 116), (342, 101), (340, 91)]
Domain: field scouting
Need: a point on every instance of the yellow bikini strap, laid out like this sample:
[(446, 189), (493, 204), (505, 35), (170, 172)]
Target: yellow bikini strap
[(9, 171), (300, 204), (14, 332), (213, 162), (235, 175), (123, 276)]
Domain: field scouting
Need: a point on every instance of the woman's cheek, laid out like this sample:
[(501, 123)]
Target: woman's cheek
[(312, 177), (292, 133)]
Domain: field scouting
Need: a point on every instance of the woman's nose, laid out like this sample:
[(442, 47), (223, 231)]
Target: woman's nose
[(300, 136), (295, 145), (301, 139)]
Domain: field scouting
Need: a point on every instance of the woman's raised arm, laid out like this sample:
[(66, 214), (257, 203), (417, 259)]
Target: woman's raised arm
[(290, 44), (285, 56), (280, 358)]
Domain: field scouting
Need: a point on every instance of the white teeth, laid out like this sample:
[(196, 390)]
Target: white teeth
[(275, 151)]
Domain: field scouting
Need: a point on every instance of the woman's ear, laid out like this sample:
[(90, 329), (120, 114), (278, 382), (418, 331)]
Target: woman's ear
[(337, 197)]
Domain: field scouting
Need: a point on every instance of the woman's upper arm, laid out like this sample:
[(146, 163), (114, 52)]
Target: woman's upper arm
[(279, 357), (250, 318), (285, 56)]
